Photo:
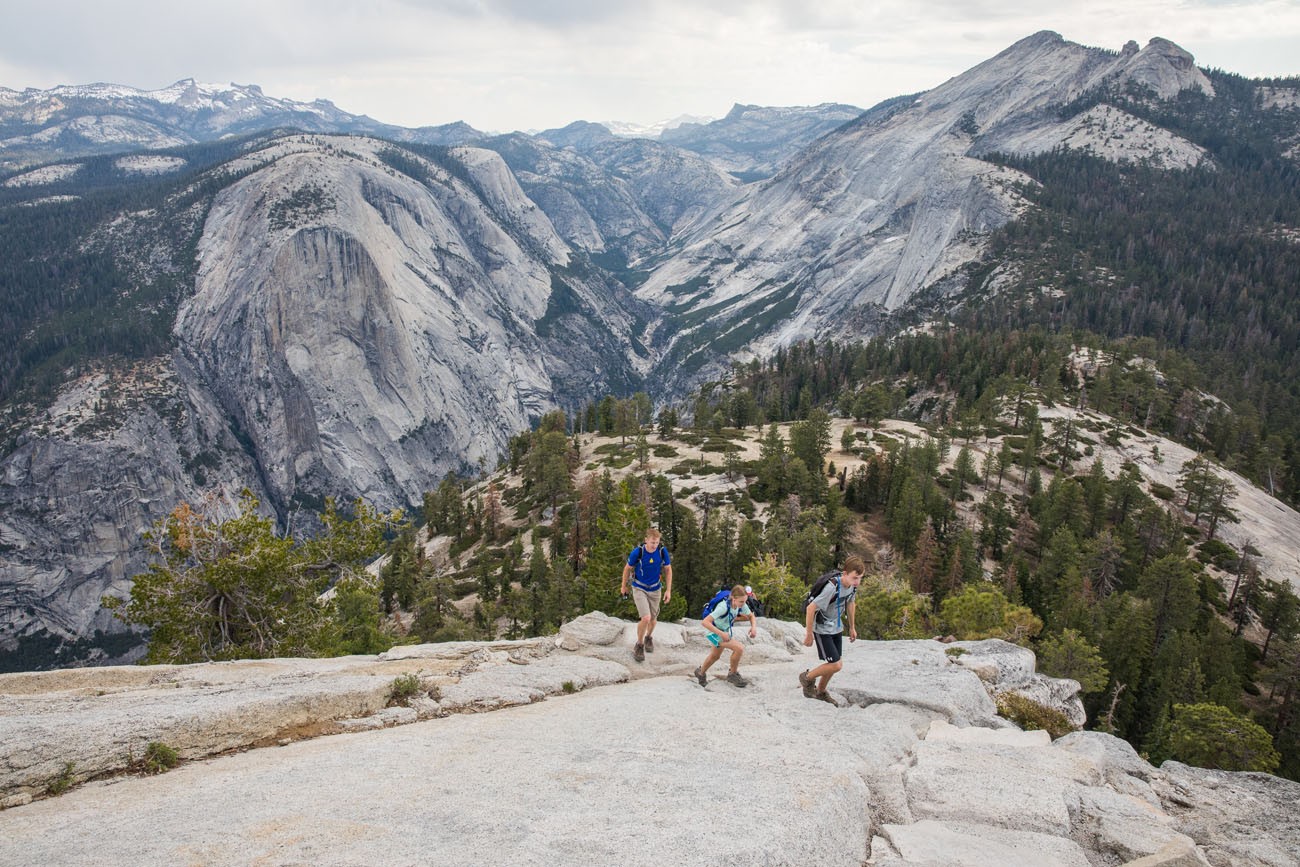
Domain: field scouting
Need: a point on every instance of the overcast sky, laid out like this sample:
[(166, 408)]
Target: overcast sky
[(532, 64)]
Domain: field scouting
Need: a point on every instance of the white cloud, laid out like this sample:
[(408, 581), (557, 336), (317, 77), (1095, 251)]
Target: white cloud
[(502, 64)]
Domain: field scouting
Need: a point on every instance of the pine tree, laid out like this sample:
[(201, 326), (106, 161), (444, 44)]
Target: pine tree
[(620, 530)]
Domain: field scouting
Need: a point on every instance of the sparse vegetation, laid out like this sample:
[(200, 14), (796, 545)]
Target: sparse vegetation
[(1032, 716), (63, 781), (403, 688), (158, 758)]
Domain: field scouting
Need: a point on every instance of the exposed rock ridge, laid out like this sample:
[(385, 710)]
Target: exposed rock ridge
[(897, 201), (927, 776), (354, 331), (356, 321)]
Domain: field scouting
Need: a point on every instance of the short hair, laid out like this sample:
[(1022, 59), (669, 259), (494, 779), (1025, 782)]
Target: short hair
[(855, 564), (652, 533)]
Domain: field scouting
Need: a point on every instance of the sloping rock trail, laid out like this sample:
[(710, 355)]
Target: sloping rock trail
[(913, 767)]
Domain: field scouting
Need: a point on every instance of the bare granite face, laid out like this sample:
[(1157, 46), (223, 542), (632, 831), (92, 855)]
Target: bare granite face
[(352, 332), (562, 750), (901, 199)]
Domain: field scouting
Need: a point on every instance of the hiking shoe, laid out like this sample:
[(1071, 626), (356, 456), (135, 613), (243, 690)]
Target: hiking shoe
[(736, 680), (638, 652), (701, 677), (649, 644), (809, 685), (825, 696)]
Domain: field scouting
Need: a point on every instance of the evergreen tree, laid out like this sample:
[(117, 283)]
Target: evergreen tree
[(620, 530)]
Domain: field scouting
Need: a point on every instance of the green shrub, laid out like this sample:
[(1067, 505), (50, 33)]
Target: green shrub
[(1212, 736), (1070, 655), (403, 689), (63, 781), (1161, 492), (1032, 716), (1212, 549), (569, 687), (158, 758)]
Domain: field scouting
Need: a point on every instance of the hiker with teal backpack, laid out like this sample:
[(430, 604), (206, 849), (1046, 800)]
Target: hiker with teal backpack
[(726, 608), (831, 602), (650, 568)]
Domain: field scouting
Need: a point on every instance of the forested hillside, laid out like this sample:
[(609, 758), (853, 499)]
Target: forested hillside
[(77, 294), (990, 514), (1196, 269)]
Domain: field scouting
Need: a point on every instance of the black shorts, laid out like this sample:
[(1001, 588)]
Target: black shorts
[(829, 647)]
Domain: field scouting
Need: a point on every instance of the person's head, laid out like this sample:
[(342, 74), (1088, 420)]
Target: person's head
[(651, 539), (854, 569), (738, 596)]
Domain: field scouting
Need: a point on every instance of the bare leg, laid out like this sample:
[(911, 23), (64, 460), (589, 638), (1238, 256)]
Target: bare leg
[(737, 651), (823, 672), (713, 656)]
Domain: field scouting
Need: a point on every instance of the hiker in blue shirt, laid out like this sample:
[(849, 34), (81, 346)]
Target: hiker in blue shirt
[(723, 617), (646, 565), (831, 608)]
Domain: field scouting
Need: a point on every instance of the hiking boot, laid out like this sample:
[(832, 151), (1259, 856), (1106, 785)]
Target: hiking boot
[(701, 677), (825, 696), (809, 684), (736, 680), (638, 652), (649, 644)]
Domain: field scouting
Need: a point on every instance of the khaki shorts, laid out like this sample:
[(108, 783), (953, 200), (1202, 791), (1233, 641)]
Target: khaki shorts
[(647, 604)]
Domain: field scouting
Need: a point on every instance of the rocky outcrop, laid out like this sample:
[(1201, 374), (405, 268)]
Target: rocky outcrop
[(894, 202), (355, 330), (113, 453), (587, 755), (608, 194), (753, 141)]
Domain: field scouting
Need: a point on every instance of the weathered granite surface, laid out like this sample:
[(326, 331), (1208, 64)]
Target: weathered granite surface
[(589, 758)]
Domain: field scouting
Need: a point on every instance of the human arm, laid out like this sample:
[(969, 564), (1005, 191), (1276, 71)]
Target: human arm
[(627, 573), (853, 621), (668, 583), (708, 624), (753, 624), (810, 614)]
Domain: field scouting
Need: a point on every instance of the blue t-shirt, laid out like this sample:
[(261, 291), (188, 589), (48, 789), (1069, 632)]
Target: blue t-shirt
[(647, 565), (724, 615)]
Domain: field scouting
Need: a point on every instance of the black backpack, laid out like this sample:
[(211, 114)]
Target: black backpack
[(816, 590)]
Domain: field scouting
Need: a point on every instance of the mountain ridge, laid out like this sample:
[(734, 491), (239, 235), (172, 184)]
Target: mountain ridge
[(559, 272)]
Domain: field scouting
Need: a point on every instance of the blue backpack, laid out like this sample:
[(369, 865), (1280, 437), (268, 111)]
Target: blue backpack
[(724, 593)]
